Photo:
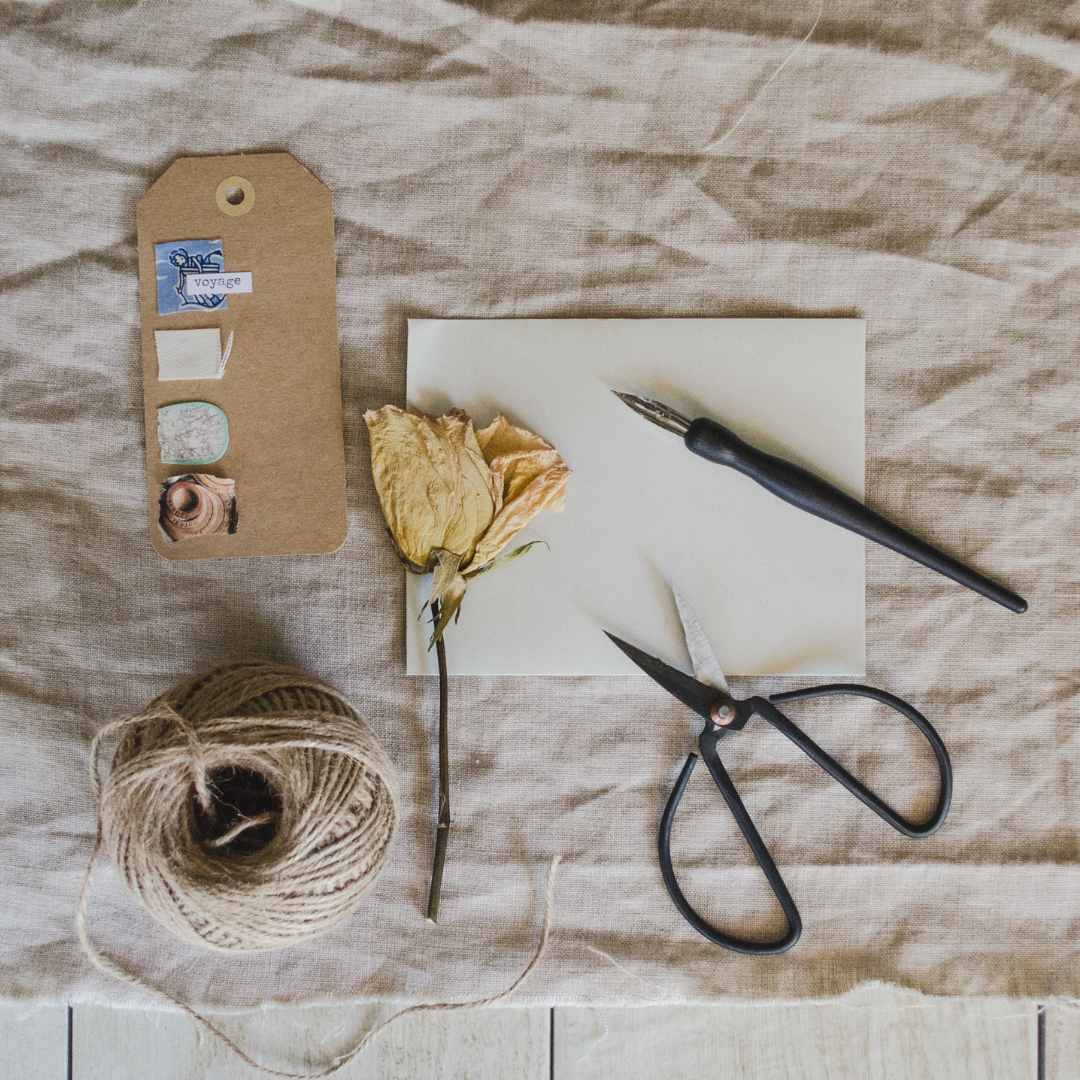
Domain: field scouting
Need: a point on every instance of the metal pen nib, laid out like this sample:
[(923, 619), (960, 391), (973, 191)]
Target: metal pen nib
[(657, 412)]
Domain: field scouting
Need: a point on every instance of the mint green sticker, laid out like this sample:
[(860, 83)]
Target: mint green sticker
[(192, 433)]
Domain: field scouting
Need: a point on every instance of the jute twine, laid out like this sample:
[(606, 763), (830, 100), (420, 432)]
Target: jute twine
[(249, 809)]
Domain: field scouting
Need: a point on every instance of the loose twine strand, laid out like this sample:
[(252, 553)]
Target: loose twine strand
[(334, 822), (716, 143), (110, 967)]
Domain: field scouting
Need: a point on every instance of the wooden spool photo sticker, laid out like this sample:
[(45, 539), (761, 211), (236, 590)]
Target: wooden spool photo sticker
[(235, 195)]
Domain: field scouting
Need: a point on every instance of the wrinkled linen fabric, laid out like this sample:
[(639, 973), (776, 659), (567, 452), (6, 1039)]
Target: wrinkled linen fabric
[(917, 165)]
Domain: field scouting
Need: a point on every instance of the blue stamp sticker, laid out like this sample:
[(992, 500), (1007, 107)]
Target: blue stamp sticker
[(175, 261)]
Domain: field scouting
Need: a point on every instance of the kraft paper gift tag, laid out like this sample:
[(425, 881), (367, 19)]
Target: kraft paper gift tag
[(244, 246)]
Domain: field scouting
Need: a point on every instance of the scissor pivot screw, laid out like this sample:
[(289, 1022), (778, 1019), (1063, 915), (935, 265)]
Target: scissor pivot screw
[(722, 713)]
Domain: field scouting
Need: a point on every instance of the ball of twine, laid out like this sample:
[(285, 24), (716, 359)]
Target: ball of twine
[(247, 809)]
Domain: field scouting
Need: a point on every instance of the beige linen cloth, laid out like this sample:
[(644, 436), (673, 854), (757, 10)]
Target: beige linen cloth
[(914, 164)]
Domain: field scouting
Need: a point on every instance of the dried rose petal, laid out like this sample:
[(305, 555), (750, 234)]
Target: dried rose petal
[(477, 506), (453, 497), (531, 477), (433, 483)]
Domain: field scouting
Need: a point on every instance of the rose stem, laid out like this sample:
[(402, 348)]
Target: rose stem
[(442, 833)]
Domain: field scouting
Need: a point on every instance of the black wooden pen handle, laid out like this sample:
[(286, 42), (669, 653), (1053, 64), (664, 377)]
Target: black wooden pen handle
[(808, 492)]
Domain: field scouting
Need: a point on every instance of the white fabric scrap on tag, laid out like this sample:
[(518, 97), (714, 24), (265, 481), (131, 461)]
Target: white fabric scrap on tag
[(191, 354)]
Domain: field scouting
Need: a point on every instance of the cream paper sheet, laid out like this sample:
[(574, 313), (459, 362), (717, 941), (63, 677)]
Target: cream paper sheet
[(780, 592), (912, 165)]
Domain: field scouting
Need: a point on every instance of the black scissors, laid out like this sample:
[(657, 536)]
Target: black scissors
[(709, 697)]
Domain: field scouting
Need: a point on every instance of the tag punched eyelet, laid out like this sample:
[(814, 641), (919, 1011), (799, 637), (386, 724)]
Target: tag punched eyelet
[(235, 195)]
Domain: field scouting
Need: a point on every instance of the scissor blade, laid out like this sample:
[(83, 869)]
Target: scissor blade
[(688, 690), (706, 666)]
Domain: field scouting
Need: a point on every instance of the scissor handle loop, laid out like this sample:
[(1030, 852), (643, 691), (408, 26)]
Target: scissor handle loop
[(757, 845), (768, 711)]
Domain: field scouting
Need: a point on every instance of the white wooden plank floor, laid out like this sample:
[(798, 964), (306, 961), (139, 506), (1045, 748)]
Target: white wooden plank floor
[(33, 1041), (881, 1033), (875, 1033), (112, 1044), (1062, 1029)]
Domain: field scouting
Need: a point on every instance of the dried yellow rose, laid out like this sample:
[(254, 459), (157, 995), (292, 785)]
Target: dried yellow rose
[(454, 497)]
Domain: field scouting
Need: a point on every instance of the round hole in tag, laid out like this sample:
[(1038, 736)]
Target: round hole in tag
[(235, 196)]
